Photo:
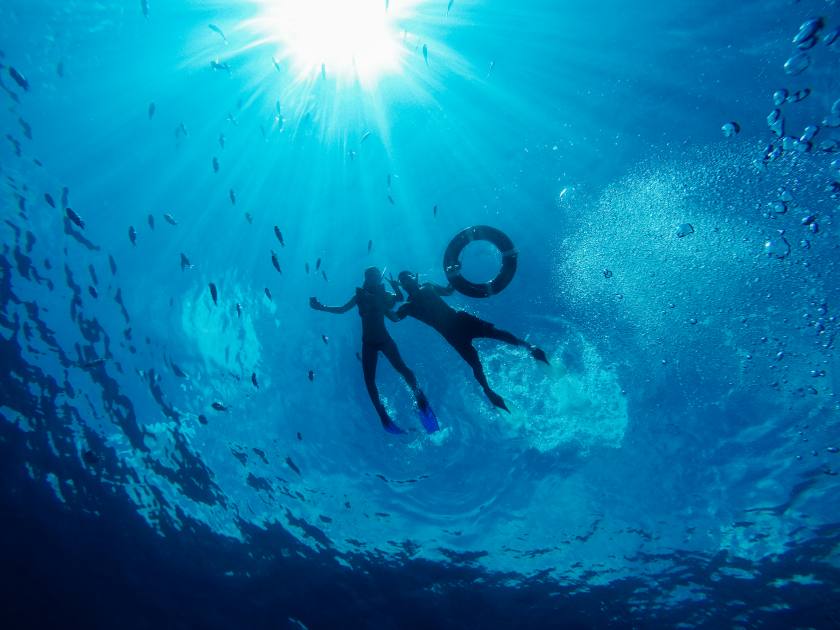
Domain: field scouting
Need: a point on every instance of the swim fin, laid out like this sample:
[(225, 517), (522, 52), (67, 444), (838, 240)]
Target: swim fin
[(428, 418), (392, 428), (539, 355)]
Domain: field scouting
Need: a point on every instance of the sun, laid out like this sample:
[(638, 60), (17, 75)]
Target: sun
[(349, 40)]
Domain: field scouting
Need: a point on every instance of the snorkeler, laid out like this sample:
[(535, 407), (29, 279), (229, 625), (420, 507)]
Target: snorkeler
[(459, 328), (374, 304)]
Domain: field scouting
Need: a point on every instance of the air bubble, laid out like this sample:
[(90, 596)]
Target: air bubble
[(730, 129), (832, 120), (799, 95), (809, 133), (808, 30), (776, 207), (797, 64), (777, 247), (684, 229)]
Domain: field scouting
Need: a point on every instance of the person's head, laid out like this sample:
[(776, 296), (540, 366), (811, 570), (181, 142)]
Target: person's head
[(409, 281), (373, 277)]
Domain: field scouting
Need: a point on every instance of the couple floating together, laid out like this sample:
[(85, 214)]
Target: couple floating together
[(425, 303)]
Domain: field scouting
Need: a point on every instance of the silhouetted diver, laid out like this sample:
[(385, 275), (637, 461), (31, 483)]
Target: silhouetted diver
[(374, 304), (459, 328)]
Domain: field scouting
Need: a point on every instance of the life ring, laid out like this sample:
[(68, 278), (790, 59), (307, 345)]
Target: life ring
[(452, 261)]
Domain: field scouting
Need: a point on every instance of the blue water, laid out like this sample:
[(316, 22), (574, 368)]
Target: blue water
[(675, 466)]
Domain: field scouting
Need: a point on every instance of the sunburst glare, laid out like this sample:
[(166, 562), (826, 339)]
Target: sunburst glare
[(354, 40)]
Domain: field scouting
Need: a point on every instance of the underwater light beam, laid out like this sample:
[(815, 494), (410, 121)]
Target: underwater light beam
[(350, 40)]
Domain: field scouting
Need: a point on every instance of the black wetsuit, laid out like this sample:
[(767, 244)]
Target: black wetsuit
[(459, 328), (372, 307)]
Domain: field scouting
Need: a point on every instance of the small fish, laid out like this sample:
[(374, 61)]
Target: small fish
[(222, 140), (220, 65), (292, 465), (268, 293), (325, 339), (19, 79), (277, 107), (26, 128), (249, 218), (276, 64), (218, 31), (275, 262), (365, 137), (490, 69), (215, 165), (279, 236), (254, 380), (299, 436), (311, 375), (232, 119), (181, 131), (238, 310), (214, 293), (426, 54), (132, 235), (65, 195), (202, 418), (434, 211), (185, 263), (170, 219), (152, 109), (370, 246), (324, 275), (449, 6), (389, 181), (306, 266), (75, 218), (219, 406), (387, 4), (144, 6), (391, 200), (50, 201), (317, 264), (59, 70), (112, 264), (93, 292), (15, 144), (232, 196), (151, 221)]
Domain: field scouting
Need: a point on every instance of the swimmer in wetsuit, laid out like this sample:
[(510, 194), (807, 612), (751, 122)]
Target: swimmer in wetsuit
[(374, 304), (459, 328)]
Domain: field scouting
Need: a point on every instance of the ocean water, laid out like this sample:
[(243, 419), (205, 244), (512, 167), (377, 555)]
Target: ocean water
[(179, 457)]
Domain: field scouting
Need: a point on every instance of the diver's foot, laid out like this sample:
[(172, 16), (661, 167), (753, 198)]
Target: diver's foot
[(392, 428), (422, 401), (539, 355), (497, 400)]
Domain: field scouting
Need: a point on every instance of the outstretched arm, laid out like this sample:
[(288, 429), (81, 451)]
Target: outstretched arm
[(398, 296), (338, 310), (400, 314), (445, 291)]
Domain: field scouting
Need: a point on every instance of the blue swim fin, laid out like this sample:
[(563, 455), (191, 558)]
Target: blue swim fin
[(392, 428), (428, 419)]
